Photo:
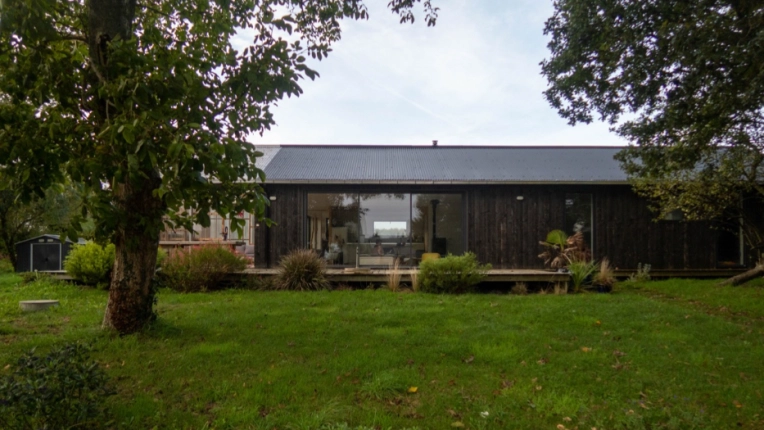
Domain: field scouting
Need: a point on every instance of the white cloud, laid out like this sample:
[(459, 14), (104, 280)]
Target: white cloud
[(472, 79)]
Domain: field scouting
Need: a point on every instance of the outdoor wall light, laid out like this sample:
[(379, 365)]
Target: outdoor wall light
[(272, 198), (521, 198)]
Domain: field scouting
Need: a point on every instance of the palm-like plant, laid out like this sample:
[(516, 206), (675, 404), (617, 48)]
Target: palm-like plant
[(554, 245), (561, 249)]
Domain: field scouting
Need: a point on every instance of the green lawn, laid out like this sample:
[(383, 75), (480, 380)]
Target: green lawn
[(671, 354)]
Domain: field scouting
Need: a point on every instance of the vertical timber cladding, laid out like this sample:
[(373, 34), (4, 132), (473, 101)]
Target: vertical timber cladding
[(286, 234), (506, 222), (626, 232), (505, 231)]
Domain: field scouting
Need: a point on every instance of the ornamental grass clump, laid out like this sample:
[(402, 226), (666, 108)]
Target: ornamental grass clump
[(580, 273), (452, 274), (200, 268), (302, 270), (604, 279), (91, 263), (394, 276)]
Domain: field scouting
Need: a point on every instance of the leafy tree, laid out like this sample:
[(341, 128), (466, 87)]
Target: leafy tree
[(147, 104), (683, 81), (51, 213)]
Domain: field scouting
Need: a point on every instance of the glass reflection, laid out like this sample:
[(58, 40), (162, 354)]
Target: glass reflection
[(383, 228)]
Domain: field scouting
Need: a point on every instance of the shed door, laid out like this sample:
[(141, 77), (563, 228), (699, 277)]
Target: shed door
[(46, 256)]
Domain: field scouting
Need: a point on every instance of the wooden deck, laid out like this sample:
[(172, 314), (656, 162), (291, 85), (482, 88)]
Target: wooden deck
[(380, 275), (370, 275)]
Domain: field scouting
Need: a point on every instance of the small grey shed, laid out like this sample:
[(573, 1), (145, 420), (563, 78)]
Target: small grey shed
[(42, 253)]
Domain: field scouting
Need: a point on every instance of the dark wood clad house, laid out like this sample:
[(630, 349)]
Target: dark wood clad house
[(370, 204)]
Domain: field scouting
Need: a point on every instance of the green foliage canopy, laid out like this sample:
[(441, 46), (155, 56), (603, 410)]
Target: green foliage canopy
[(682, 81), (148, 105), (51, 213), (171, 106)]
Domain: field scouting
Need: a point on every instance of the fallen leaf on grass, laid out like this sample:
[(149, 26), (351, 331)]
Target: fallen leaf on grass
[(453, 413), (618, 353), (412, 389), (586, 349), (737, 404), (458, 424), (469, 359), (7, 366), (542, 362), (567, 419)]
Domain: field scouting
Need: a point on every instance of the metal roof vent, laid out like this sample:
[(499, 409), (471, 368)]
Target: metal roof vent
[(434, 143)]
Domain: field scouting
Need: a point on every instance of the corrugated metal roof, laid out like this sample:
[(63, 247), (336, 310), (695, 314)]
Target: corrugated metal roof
[(443, 164), (269, 151), (50, 236)]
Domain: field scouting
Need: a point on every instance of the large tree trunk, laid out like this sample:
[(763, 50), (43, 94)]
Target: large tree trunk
[(131, 293), (139, 213), (742, 278)]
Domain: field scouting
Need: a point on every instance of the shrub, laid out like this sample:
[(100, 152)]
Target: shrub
[(90, 263), (451, 274), (199, 268), (302, 270), (62, 390)]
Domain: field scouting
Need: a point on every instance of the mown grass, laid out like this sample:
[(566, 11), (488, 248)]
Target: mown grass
[(645, 357), (745, 300)]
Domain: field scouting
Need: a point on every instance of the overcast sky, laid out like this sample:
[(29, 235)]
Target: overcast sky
[(473, 79)]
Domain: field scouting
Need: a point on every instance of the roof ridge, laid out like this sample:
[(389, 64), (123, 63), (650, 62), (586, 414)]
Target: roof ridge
[(538, 147)]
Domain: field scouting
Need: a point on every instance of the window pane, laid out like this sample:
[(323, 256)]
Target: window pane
[(578, 215), (385, 229), (437, 223), (384, 210), (333, 226)]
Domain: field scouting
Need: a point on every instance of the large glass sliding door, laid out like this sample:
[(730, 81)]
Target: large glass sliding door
[(437, 222), (379, 229), (332, 224)]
